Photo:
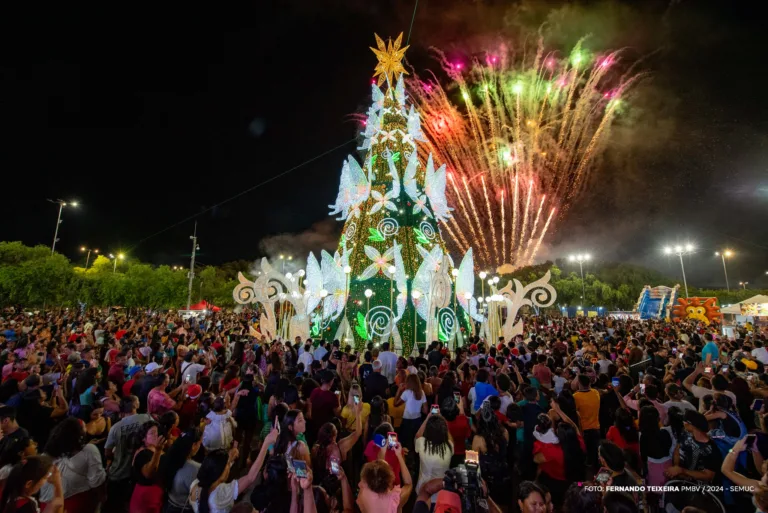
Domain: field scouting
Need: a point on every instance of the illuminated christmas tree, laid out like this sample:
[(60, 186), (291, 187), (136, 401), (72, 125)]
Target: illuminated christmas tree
[(391, 278)]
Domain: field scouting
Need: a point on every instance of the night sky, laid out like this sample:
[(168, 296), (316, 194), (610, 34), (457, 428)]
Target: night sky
[(148, 118)]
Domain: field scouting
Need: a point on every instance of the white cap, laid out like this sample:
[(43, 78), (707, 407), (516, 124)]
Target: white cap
[(152, 367)]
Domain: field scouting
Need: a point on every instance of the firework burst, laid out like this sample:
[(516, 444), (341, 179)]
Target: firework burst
[(520, 136)]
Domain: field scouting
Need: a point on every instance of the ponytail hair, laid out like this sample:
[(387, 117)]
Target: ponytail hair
[(33, 469), (213, 466)]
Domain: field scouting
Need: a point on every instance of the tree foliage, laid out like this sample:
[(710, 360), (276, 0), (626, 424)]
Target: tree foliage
[(31, 276)]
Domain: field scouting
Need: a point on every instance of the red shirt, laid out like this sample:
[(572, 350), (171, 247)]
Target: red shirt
[(460, 430), (127, 386), (19, 376), (554, 467), (614, 435), (323, 404), (116, 374), (372, 453), (120, 334), (233, 383)]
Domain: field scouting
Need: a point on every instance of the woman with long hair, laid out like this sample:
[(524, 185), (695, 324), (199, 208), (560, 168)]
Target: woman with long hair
[(327, 449), (147, 494), (230, 381), (656, 445), (86, 386), (623, 432), (415, 401), (210, 492), (16, 450), (435, 449), (82, 473), (25, 480), (491, 442), (559, 451), (180, 469), (288, 442), (379, 415)]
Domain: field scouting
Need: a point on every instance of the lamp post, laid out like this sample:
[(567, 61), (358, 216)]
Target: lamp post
[(581, 259), (743, 284), (482, 275), (119, 256), (61, 204), (680, 251), (455, 274), (722, 255), (88, 256)]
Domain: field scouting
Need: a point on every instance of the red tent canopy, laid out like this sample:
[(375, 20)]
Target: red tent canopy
[(205, 305)]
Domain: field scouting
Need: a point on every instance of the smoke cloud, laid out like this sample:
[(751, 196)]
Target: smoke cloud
[(323, 235)]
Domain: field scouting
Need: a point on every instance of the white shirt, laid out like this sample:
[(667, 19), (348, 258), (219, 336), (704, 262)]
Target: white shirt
[(388, 361), (412, 405), (431, 465), (306, 358), (683, 405), (80, 473), (218, 434), (221, 500), (191, 369), (699, 392), (761, 354), (559, 383)]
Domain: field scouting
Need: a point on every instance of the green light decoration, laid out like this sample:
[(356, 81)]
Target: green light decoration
[(360, 327), (517, 88), (394, 212), (441, 334), (420, 237), (316, 326), (376, 235)]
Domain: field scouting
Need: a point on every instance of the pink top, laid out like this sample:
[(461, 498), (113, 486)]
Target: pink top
[(371, 502), (159, 402)]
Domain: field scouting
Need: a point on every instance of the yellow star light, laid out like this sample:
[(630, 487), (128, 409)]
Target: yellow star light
[(389, 57)]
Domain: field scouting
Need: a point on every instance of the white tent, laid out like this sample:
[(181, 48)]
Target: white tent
[(736, 308)]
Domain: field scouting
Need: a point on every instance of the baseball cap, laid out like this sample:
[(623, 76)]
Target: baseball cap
[(152, 367), (376, 365), (473, 347), (133, 370), (194, 391), (492, 361)]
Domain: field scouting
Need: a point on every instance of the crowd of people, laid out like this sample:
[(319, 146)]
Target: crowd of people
[(148, 412)]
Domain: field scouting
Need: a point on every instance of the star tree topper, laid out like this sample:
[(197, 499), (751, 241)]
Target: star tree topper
[(389, 57)]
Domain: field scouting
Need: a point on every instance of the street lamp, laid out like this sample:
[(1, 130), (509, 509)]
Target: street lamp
[(61, 204), (581, 259), (483, 274), (743, 284), (680, 251), (119, 256), (722, 255), (88, 256)]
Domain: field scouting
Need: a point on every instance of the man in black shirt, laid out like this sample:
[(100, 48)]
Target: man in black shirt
[(375, 384), (366, 369), (697, 457), (420, 360), (10, 428), (435, 356)]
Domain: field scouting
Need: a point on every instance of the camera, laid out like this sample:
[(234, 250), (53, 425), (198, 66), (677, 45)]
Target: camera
[(464, 480)]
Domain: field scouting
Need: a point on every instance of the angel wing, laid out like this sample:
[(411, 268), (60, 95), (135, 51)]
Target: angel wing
[(335, 284), (409, 177), (422, 282), (313, 283), (434, 187), (465, 286), (353, 189)]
